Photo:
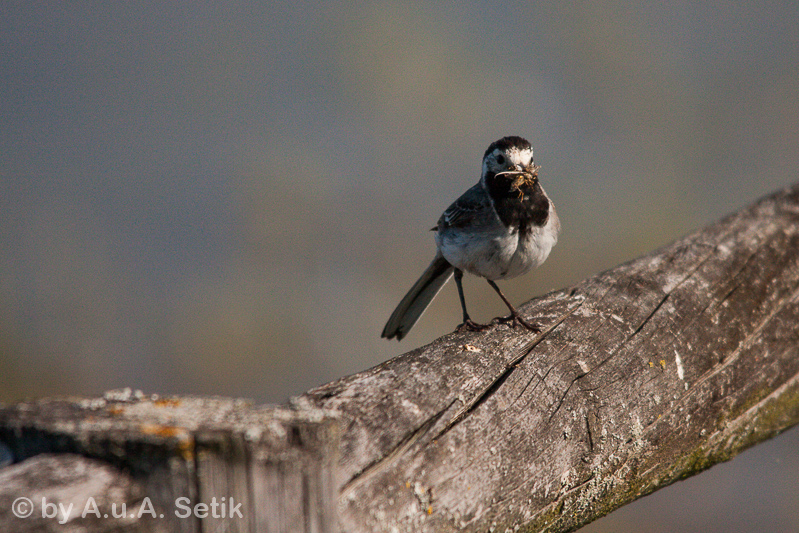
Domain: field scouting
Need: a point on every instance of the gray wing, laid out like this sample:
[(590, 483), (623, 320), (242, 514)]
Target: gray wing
[(467, 210)]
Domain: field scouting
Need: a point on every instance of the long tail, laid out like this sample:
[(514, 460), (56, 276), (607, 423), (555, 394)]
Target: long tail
[(418, 298)]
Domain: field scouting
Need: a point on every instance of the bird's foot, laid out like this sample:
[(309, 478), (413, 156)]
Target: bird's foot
[(471, 325), (514, 318)]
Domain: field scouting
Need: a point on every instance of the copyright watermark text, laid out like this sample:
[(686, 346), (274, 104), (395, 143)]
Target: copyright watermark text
[(183, 508)]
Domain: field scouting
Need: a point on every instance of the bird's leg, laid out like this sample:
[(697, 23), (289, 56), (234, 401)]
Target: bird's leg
[(514, 317), (468, 324)]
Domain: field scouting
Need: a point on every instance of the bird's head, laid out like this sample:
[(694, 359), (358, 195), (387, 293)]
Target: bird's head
[(508, 164), (512, 154)]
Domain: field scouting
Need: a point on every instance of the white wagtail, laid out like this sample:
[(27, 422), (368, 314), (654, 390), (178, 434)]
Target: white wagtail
[(501, 228)]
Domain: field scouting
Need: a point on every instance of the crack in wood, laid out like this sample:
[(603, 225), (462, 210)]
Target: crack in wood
[(560, 402), (671, 291), (380, 464), (649, 316), (510, 366)]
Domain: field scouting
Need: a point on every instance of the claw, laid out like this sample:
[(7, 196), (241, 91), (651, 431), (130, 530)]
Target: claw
[(470, 325), (514, 319)]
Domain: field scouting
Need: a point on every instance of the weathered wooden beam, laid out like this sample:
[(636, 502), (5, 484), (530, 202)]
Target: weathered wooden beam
[(256, 468), (642, 375)]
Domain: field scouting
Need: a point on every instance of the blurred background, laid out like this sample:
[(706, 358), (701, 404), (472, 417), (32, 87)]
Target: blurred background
[(230, 198)]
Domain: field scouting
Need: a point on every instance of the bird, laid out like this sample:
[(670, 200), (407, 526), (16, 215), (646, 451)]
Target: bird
[(502, 227)]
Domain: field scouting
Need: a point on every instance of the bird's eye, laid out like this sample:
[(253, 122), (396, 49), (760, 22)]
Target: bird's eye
[(500, 159)]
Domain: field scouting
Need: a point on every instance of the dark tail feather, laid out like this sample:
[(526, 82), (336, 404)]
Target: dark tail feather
[(418, 298)]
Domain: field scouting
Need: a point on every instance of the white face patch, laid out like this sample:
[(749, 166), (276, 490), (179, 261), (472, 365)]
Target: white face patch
[(501, 160), (520, 157)]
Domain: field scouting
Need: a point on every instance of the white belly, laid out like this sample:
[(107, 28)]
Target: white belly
[(500, 254)]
